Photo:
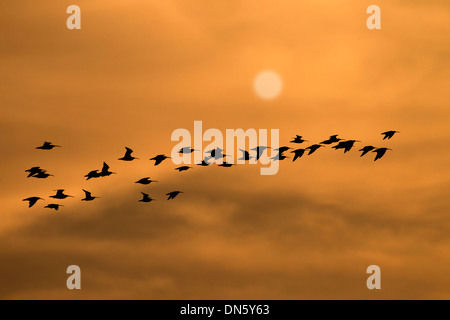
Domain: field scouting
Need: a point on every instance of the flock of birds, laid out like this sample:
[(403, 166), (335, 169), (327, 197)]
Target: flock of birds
[(217, 153)]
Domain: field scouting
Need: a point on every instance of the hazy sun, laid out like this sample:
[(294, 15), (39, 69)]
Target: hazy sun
[(267, 84)]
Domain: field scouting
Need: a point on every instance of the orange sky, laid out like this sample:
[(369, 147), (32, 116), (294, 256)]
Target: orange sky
[(137, 70)]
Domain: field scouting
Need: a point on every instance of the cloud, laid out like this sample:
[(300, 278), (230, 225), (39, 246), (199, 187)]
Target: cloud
[(203, 245)]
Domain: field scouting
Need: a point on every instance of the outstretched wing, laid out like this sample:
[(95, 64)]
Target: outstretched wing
[(105, 167), (88, 194), (128, 153), (158, 160), (171, 195)]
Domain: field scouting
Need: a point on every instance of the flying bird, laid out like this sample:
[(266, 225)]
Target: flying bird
[(204, 162), (128, 156), (298, 139), (217, 153), (159, 158), (380, 153), (33, 171), (145, 181), (146, 198), (93, 174), (60, 194), (42, 175), (366, 149), (183, 168), (88, 196), (313, 148), (279, 156), (389, 134), (346, 145), (298, 153), (32, 201), (245, 155), (54, 206), (282, 149), (225, 165), (331, 139), (186, 150), (48, 146), (259, 151), (105, 171), (173, 194)]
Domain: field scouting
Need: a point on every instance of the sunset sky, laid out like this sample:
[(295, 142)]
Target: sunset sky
[(140, 69)]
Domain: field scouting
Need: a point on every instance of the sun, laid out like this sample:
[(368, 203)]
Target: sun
[(267, 85)]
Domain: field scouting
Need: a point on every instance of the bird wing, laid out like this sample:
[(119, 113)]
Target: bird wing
[(158, 160), (105, 167), (88, 194), (128, 152)]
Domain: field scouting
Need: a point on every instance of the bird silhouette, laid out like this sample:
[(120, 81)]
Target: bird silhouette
[(298, 153), (159, 158), (88, 196), (145, 181), (366, 149), (259, 151), (279, 156), (347, 145), (47, 146), (186, 150), (204, 162), (389, 134), (33, 171), (42, 175), (183, 168), (282, 149), (225, 165), (60, 194), (313, 148), (380, 153), (298, 139), (32, 201), (331, 139), (105, 171), (146, 198), (93, 174), (128, 156), (173, 194), (54, 206), (245, 155), (217, 153)]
